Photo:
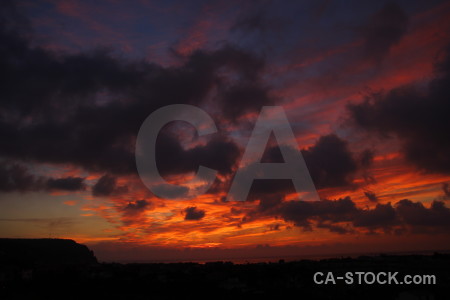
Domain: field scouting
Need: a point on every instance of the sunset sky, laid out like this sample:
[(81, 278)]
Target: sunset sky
[(365, 86)]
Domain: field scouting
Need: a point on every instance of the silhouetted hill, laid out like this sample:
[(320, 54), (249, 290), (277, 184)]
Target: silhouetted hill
[(43, 252)]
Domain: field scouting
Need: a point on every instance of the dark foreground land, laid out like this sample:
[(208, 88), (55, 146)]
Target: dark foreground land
[(63, 269)]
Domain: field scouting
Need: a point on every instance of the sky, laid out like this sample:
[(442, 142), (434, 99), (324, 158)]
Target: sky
[(364, 85)]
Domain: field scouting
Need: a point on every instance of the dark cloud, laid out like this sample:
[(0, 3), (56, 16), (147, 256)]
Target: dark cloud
[(274, 227), (302, 213), (343, 216), (219, 153), (268, 201), (104, 186), (330, 162), (86, 108), (66, 184), (418, 118), (382, 216), (270, 192), (371, 196), (334, 228), (244, 97), (107, 186), (384, 29), (15, 177), (193, 213), (137, 207), (134, 212), (417, 215)]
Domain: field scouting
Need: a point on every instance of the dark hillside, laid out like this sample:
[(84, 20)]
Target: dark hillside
[(35, 252)]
